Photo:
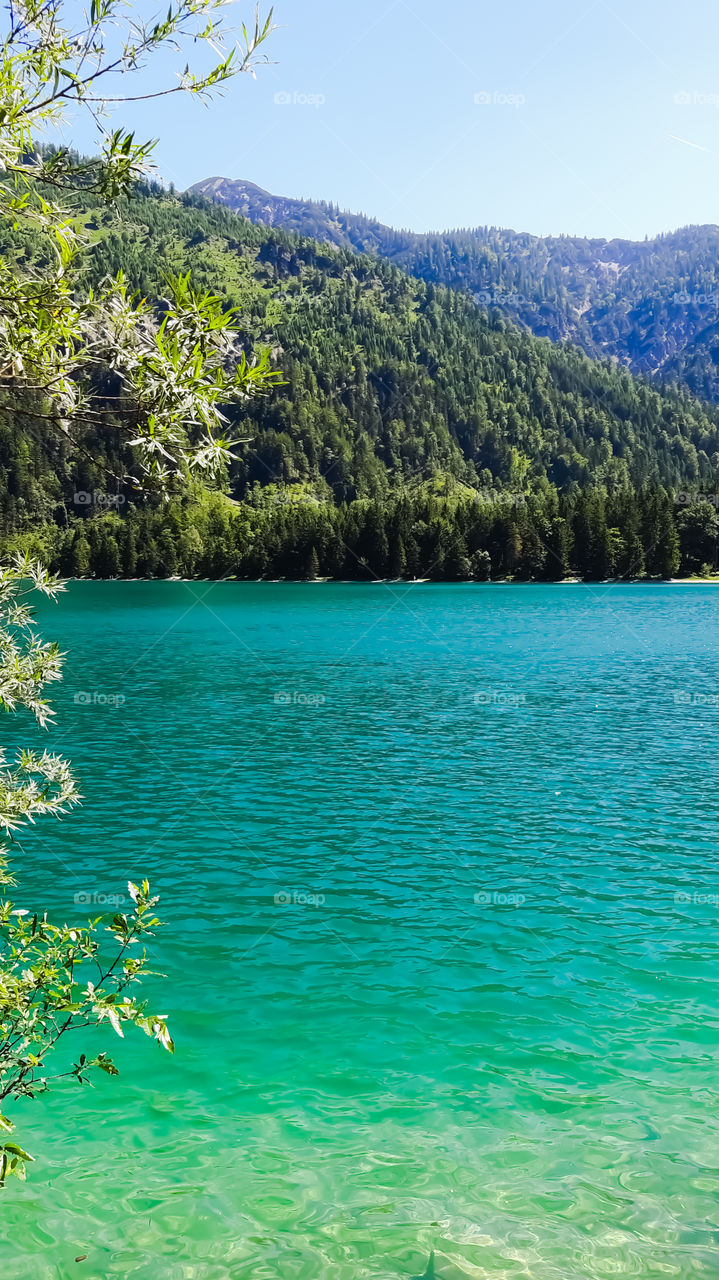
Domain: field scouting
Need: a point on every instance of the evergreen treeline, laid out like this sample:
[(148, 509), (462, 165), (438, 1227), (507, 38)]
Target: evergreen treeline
[(447, 537)]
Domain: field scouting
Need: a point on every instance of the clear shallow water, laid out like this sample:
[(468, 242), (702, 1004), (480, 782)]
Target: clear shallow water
[(496, 1036)]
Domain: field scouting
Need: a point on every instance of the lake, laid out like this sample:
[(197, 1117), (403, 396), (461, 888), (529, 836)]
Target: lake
[(439, 870)]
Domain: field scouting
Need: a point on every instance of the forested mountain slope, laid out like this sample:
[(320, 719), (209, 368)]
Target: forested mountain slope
[(404, 404), (652, 305)]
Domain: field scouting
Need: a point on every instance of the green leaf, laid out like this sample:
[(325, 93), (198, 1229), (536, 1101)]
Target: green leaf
[(15, 1150)]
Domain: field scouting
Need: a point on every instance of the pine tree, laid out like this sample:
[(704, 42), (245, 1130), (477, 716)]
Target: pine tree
[(80, 556), (311, 565)]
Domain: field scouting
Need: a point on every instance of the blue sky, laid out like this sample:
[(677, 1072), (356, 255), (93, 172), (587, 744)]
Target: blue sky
[(584, 118)]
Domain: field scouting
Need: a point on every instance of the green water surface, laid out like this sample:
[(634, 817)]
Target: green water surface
[(439, 867)]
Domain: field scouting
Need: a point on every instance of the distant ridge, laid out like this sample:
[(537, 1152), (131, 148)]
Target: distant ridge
[(652, 305), (308, 217)]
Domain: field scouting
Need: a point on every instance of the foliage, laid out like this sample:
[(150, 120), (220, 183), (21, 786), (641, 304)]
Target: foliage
[(171, 375), (55, 978), (77, 363), (42, 992)]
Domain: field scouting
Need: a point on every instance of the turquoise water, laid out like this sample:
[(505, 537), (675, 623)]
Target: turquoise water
[(484, 1023)]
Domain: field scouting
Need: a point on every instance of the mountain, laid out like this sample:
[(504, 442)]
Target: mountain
[(415, 432), (311, 218), (651, 305)]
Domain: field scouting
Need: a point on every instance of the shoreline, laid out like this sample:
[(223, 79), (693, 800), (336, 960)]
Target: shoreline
[(437, 582)]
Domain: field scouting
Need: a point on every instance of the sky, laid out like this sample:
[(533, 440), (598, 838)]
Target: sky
[(557, 117)]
